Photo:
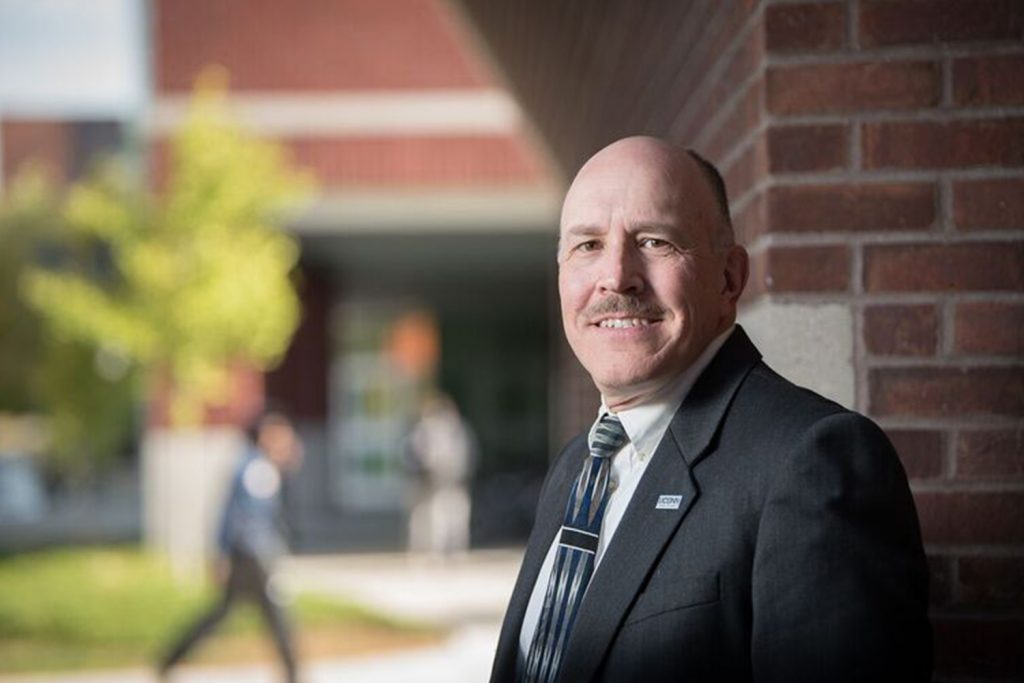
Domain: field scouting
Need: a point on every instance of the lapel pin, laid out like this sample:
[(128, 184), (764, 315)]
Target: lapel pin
[(667, 502)]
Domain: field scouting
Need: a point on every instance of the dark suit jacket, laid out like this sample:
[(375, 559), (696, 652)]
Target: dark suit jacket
[(794, 556)]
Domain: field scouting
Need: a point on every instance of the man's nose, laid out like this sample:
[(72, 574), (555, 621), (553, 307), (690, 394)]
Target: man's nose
[(621, 270)]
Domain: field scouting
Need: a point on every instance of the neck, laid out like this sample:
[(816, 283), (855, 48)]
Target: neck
[(631, 397)]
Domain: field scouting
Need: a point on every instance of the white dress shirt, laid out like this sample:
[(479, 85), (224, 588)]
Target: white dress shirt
[(645, 426)]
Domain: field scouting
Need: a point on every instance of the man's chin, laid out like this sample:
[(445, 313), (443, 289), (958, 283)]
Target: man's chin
[(627, 387)]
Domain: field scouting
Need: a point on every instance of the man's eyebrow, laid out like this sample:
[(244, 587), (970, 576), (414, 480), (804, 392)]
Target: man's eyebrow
[(585, 230), (660, 228)]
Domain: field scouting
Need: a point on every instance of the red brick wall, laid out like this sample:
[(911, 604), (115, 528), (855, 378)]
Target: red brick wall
[(874, 152), (402, 161), (45, 144), (313, 45), (328, 47), (464, 160)]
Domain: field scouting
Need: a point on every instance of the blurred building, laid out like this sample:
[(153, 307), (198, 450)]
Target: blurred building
[(874, 155), (428, 252), (63, 148)]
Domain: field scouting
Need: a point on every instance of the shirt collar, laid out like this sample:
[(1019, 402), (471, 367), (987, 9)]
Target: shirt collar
[(645, 424)]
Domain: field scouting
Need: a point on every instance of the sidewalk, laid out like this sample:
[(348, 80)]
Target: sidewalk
[(467, 594), (467, 589)]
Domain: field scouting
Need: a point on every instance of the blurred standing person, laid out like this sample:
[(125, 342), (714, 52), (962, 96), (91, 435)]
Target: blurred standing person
[(251, 538), (441, 452)]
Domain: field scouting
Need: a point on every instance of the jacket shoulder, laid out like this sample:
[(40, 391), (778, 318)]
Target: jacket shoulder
[(773, 398)]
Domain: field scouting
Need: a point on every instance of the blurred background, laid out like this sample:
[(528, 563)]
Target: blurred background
[(345, 207)]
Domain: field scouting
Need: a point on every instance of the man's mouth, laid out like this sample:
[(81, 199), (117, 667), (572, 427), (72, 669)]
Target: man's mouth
[(621, 323)]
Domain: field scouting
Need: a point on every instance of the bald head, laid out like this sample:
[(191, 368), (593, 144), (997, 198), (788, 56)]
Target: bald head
[(684, 179)]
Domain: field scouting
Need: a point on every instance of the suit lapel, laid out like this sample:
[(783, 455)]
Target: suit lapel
[(645, 530), (550, 515)]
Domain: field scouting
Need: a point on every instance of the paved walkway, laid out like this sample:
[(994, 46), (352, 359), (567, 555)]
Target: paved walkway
[(472, 588), (468, 594)]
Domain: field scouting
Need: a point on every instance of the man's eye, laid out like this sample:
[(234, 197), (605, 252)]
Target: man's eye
[(589, 245), (653, 243)]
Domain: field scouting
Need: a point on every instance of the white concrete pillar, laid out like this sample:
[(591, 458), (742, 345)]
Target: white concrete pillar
[(810, 344), (185, 476)]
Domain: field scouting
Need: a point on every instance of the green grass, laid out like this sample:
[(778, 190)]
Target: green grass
[(108, 607)]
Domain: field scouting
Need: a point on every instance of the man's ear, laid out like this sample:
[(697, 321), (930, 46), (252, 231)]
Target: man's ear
[(736, 270)]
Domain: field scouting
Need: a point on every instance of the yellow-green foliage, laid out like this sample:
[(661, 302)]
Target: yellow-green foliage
[(201, 274), (28, 214), (86, 395)]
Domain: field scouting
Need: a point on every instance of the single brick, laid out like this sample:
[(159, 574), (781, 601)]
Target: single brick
[(996, 266), (901, 330), (937, 144), (946, 392), (990, 454), (807, 148), (851, 207), (991, 204), (989, 327)]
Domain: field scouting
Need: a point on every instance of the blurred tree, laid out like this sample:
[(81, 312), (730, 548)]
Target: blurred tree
[(28, 213), (86, 395), (198, 275)]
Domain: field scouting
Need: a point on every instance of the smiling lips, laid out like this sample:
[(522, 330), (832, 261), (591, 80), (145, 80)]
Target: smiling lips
[(621, 323), (623, 312)]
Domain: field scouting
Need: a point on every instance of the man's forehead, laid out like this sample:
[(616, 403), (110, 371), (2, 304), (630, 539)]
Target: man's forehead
[(641, 194), (597, 221)]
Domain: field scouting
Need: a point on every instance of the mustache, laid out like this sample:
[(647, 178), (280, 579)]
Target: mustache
[(627, 306)]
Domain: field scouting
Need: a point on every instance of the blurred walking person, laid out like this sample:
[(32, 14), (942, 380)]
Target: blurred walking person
[(251, 539), (441, 453)]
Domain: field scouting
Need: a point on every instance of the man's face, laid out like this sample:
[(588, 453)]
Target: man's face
[(642, 289)]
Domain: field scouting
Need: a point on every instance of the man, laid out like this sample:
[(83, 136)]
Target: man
[(717, 523), (250, 538)]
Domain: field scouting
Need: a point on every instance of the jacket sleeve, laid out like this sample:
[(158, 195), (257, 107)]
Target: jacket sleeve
[(840, 581)]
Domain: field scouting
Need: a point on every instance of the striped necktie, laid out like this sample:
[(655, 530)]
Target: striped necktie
[(577, 549)]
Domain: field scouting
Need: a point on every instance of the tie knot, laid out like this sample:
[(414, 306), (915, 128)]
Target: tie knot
[(608, 437)]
